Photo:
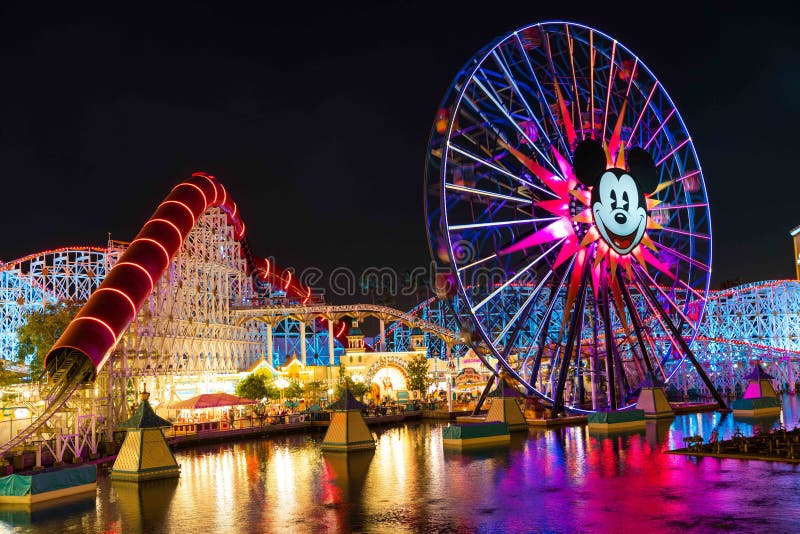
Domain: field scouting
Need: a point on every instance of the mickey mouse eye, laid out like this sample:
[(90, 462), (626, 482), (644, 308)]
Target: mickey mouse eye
[(613, 199), (625, 200)]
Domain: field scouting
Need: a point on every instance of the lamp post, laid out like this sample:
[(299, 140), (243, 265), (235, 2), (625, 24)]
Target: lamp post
[(281, 384), (450, 368)]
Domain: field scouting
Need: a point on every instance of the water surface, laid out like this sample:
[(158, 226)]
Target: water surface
[(562, 480)]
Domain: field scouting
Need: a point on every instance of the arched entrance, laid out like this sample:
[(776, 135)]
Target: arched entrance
[(386, 377)]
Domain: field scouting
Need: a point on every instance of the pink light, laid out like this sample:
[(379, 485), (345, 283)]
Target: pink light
[(660, 126), (671, 152), (557, 230), (644, 108)]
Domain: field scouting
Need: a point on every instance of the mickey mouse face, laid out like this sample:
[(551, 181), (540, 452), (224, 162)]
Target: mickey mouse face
[(618, 201), (618, 210)]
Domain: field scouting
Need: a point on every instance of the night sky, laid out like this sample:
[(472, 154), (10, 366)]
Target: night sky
[(316, 117)]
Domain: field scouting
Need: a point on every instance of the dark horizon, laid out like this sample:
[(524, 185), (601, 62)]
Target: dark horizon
[(317, 119)]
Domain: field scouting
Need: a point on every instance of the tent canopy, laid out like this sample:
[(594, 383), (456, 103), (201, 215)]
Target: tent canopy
[(211, 400)]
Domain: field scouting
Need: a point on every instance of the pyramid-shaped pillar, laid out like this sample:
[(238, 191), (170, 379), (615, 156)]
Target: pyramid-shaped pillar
[(145, 454), (760, 397), (653, 399), (347, 431), (505, 406), (759, 384)]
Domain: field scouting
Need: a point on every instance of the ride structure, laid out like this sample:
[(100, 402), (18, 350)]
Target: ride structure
[(559, 162), (161, 310)]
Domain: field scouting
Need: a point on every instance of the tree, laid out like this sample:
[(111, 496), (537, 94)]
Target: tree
[(7, 376), (417, 370), (252, 387), (359, 389), (294, 390), (40, 330), (315, 389)]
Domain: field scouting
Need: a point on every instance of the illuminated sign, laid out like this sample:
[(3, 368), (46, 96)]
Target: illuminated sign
[(796, 238)]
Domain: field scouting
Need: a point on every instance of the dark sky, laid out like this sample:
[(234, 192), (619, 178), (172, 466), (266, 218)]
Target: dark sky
[(316, 117)]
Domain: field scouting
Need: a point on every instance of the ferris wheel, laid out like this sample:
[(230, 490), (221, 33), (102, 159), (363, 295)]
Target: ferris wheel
[(558, 163)]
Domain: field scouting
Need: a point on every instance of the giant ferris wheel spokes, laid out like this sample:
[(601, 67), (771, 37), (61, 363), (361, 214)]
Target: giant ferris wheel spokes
[(559, 164)]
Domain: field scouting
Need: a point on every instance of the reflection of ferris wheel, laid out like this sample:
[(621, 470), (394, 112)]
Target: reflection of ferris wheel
[(558, 162)]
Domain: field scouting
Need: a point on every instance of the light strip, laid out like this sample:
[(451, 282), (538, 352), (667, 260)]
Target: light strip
[(205, 200), (150, 278), (164, 250), (213, 186), (474, 263), (465, 189), (180, 236), (671, 152), (610, 83), (191, 213), (660, 127), (95, 319), (683, 232), (679, 206), (499, 169), (115, 290), (644, 108), (523, 271), (534, 293), (500, 223), (503, 110)]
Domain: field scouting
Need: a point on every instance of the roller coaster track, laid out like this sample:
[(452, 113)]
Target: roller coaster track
[(72, 372), (256, 313), (90, 338)]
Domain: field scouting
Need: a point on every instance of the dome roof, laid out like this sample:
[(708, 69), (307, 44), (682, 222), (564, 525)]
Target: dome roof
[(417, 331)]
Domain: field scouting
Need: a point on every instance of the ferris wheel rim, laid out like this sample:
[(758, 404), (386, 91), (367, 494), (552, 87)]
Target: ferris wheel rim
[(464, 78)]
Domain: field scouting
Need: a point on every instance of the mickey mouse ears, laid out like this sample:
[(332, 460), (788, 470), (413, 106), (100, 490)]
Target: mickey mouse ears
[(589, 163)]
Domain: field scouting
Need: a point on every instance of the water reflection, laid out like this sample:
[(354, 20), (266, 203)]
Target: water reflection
[(565, 479)]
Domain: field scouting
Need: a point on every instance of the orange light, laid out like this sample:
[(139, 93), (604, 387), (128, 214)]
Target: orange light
[(150, 278), (224, 195), (191, 213), (95, 319), (133, 306), (241, 235), (288, 281), (235, 209), (180, 236), (166, 254), (341, 330)]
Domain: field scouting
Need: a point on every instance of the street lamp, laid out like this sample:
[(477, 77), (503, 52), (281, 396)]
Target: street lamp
[(281, 384)]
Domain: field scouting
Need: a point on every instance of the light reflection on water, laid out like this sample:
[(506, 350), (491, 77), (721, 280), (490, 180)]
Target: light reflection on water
[(555, 480)]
